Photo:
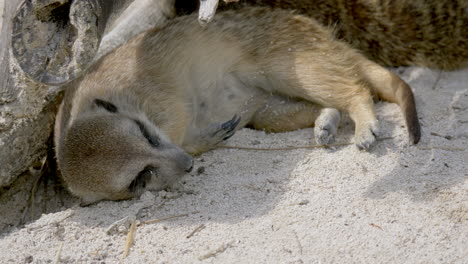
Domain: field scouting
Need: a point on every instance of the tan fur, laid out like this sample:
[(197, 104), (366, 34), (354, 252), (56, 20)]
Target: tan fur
[(391, 32), (188, 86)]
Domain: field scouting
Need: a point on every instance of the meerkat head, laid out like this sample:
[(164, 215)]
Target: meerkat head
[(111, 154)]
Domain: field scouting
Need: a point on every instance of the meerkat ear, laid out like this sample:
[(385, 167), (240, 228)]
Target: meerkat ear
[(110, 107)]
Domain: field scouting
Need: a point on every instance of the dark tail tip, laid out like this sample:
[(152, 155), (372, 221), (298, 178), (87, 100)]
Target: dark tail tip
[(414, 130), (412, 121), (407, 102)]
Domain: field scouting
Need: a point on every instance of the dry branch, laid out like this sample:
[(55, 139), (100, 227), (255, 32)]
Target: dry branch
[(198, 229), (129, 240), (218, 251), (208, 9), (167, 218)]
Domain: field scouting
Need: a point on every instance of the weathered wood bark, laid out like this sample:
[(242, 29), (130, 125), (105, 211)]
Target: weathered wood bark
[(49, 42), (54, 40), (25, 114), (207, 10)]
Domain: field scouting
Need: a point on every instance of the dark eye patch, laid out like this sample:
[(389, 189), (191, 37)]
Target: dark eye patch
[(154, 141), (110, 107), (143, 177)]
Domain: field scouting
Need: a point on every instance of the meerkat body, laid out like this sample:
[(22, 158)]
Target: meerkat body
[(183, 89), (393, 33)]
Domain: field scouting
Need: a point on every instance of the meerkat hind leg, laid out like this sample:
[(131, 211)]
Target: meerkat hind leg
[(284, 114), (392, 88), (328, 80), (366, 124), (326, 126), (355, 98)]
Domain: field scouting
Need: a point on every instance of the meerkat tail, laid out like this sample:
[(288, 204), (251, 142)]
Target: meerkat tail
[(389, 87), (404, 97)]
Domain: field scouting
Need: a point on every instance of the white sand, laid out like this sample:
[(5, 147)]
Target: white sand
[(394, 204)]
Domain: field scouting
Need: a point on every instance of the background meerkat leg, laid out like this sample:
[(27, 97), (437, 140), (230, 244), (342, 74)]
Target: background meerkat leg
[(284, 114)]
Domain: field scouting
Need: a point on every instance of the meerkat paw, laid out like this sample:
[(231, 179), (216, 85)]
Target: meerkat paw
[(326, 126), (325, 134), (366, 135), (211, 136), (226, 130)]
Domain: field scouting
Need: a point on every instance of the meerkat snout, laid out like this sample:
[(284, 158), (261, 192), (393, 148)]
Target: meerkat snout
[(113, 155)]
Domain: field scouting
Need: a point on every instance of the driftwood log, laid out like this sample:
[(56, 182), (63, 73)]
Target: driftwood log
[(207, 10)]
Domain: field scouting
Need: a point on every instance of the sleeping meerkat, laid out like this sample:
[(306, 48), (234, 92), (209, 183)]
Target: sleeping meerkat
[(131, 122), (393, 33)]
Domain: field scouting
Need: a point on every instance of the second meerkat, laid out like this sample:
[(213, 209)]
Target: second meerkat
[(132, 121), (391, 32)]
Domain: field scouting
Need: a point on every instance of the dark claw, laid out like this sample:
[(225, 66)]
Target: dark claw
[(231, 124), (230, 134), (228, 128)]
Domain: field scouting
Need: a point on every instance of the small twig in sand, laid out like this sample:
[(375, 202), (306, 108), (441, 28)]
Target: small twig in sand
[(442, 148), (54, 222), (58, 254), (167, 218), (300, 147), (456, 259), (443, 136), (129, 241), (198, 229), (32, 198), (439, 74), (298, 242), (32, 194), (216, 252), (124, 221), (376, 226)]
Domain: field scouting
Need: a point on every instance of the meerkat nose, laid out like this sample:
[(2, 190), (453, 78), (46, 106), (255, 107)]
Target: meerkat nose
[(191, 168), (185, 162)]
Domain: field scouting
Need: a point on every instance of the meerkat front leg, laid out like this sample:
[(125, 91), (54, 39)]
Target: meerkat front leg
[(208, 138)]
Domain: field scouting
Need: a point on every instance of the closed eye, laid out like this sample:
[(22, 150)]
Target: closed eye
[(143, 177), (152, 140), (110, 107)]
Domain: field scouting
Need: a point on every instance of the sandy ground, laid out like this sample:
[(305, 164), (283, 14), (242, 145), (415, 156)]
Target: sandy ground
[(397, 203)]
